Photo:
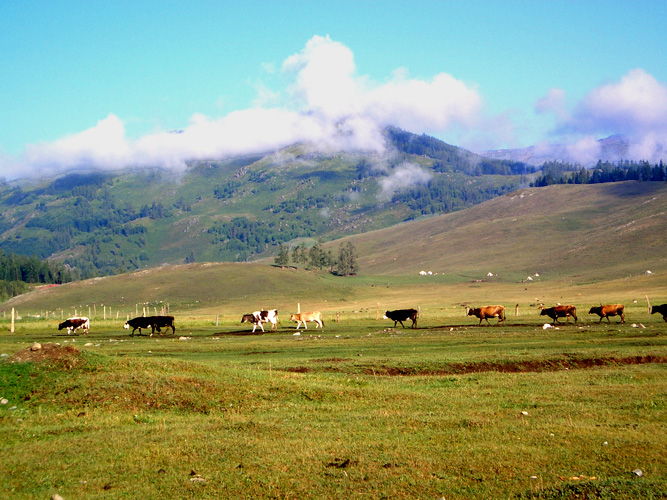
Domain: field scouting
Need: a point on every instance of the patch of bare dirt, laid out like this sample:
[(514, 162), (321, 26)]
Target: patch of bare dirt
[(519, 366), (68, 356), (566, 363)]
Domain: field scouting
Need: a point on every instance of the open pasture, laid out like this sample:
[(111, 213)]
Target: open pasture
[(356, 410)]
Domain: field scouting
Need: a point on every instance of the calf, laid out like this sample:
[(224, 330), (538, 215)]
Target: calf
[(560, 312), (139, 323), (401, 315), (662, 309), (73, 324), (487, 312), (304, 317), (259, 317), (608, 310)]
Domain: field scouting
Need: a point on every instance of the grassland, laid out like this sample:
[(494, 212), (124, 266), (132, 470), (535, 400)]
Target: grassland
[(360, 409)]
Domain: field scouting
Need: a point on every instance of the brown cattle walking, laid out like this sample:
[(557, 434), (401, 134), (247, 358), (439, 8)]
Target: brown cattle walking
[(487, 312), (608, 310), (315, 317), (560, 312)]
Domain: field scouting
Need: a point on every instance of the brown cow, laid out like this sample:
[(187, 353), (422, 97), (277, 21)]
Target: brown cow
[(560, 312), (487, 312), (661, 309), (608, 310), (304, 317)]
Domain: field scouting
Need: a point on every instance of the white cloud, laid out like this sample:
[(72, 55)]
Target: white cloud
[(638, 102), (635, 107), (325, 102), (585, 151), (405, 176), (553, 102)]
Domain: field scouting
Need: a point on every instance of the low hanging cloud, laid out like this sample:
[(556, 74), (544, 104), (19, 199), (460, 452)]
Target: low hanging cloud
[(403, 177), (326, 103), (634, 107)]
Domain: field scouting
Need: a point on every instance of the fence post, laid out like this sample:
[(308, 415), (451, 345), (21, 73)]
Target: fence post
[(217, 316), (11, 330)]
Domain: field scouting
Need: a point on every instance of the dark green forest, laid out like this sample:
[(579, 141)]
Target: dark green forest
[(17, 271), (567, 173)]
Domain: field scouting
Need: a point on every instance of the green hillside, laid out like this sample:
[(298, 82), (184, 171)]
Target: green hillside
[(103, 223), (583, 232), (588, 243)]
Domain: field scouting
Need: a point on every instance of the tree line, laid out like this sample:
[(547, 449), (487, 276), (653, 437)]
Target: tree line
[(17, 271), (603, 172), (315, 257)]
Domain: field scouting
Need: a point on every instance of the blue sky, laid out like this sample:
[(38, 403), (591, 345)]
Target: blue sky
[(106, 83)]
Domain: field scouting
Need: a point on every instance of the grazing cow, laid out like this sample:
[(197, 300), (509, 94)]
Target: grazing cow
[(304, 317), (165, 322), (560, 312), (401, 315), (608, 310), (662, 309), (487, 312), (73, 324), (259, 317), (139, 323)]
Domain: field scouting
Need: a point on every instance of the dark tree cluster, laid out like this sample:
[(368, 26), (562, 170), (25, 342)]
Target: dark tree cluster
[(603, 172), (452, 159), (443, 194), (17, 270)]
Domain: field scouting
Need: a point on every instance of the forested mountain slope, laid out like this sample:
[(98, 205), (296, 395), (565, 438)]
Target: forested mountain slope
[(235, 210)]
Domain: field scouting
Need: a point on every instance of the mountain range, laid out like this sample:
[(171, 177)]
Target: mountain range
[(110, 222), (610, 149)]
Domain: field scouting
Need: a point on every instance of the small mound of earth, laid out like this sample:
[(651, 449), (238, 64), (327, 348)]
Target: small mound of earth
[(68, 355)]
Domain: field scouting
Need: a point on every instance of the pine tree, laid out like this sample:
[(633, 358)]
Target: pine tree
[(282, 259), (347, 260)]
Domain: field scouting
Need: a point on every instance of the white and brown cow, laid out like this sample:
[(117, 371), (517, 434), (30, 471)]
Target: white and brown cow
[(315, 316), (257, 318), (73, 324)]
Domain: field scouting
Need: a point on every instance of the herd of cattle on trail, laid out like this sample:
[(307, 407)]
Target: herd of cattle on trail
[(258, 318)]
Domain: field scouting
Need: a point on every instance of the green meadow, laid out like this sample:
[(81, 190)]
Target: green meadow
[(359, 409)]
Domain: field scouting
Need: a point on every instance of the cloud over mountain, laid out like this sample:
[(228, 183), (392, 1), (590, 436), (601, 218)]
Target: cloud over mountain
[(325, 102), (634, 107)]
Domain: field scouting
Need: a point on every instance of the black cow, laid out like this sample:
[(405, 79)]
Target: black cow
[(401, 315), (73, 324), (152, 322), (661, 309), (165, 322), (139, 323)]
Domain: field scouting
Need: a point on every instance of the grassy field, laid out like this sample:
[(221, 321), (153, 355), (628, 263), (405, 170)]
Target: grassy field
[(357, 410)]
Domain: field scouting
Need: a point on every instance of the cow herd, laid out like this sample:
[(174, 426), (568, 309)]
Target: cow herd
[(258, 318)]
